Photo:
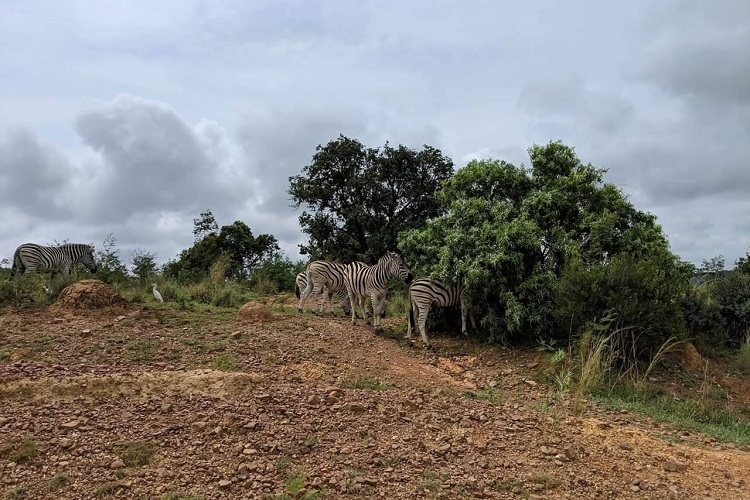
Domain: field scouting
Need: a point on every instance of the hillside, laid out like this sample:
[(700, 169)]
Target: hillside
[(159, 403)]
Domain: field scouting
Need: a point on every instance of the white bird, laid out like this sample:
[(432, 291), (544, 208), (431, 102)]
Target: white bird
[(157, 295)]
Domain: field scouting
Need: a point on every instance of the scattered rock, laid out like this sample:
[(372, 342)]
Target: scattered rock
[(71, 424), (672, 466)]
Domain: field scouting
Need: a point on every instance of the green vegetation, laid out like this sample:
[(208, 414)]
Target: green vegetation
[(19, 450), (225, 362), (58, 481), (360, 198), (136, 453)]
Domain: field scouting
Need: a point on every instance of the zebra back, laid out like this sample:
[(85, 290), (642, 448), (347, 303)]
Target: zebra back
[(325, 273), (426, 292)]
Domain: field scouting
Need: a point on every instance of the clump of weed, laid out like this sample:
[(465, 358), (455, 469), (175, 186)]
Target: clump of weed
[(363, 381), (225, 362), (19, 450), (136, 453)]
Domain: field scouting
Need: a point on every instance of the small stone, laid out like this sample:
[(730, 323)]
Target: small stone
[(166, 407), (224, 484), (117, 464), (672, 466), (625, 446), (72, 424), (263, 397), (356, 408), (571, 453), (3, 421), (199, 425), (313, 400), (530, 383), (334, 391), (236, 334), (86, 332), (635, 488)]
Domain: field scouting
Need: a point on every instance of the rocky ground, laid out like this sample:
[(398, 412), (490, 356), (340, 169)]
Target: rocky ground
[(152, 402)]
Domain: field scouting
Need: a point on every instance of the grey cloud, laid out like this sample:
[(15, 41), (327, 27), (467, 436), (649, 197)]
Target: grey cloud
[(563, 103), (280, 143), (154, 160), (701, 53), (33, 176)]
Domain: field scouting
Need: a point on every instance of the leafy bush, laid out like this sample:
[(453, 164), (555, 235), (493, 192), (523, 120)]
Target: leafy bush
[(702, 314), (509, 231), (639, 294), (731, 292), (276, 274)]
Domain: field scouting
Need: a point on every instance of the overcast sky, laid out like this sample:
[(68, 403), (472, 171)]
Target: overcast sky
[(132, 117)]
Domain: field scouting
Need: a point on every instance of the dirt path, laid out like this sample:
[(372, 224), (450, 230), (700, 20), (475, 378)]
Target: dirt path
[(165, 404)]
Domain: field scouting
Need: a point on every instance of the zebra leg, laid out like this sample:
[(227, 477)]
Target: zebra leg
[(377, 306), (423, 313), (353, 302), (464, 313), (411, 319), (305, 294), (323, 297)]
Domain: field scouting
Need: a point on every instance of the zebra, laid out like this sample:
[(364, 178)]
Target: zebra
[(322, 274), (300, 284), (362, 299), (426, 292), (30, 257), (372, 281)]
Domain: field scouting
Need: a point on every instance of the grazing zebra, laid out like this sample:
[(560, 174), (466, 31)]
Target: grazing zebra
[(322, 274), (426, 292), (372, 281), (30, 257), (300, 284)]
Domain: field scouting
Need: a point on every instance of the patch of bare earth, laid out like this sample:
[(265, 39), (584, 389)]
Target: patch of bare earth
[(136, 405)]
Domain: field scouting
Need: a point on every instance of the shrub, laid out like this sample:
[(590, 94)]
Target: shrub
[(732, 295), (639, 294)]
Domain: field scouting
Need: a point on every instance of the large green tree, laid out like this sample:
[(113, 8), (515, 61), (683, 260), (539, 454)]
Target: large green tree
[(358, 199), (244, 250), (509, 232)]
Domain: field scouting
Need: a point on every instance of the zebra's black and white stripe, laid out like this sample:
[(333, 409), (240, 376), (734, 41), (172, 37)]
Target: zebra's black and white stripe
[(372, 282), (425, 293), (322, 274), (362, 300), (30, 257), (300, 284)]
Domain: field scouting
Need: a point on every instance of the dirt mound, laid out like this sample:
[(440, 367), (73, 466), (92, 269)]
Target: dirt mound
[(90, 294), (255, 312)]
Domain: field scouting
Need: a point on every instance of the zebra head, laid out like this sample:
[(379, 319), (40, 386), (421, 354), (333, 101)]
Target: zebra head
[(87, 259), (394, 265)]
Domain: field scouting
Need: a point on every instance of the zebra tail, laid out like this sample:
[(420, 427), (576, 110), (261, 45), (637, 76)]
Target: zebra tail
[(17, 264), (296, 290)]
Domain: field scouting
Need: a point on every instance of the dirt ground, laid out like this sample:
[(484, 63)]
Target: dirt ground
[(151, 402)]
